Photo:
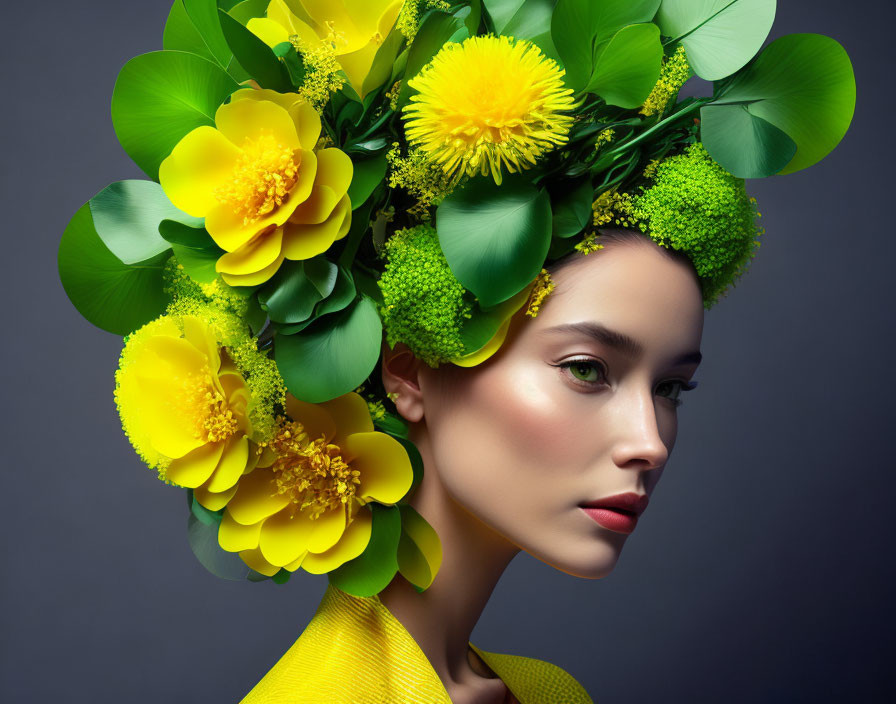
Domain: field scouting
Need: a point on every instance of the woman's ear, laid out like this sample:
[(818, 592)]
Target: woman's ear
[(401, 377)]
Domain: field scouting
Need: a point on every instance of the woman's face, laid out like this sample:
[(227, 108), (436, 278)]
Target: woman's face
[(578, 405)]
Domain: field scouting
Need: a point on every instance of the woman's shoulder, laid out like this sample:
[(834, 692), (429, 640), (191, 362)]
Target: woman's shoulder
[(535, 681), (352, 651)]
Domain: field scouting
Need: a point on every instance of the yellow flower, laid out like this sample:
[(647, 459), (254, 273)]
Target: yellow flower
[(303, 505), (487, 104), (356, 29), (184, 406), (264, 194)]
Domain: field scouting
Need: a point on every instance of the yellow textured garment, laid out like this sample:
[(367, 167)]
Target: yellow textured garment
[(355, 651)]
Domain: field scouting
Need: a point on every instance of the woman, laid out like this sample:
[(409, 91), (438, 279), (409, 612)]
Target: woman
[(444, 180)]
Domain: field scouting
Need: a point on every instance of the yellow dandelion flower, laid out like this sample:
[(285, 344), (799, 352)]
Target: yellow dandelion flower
[(488, 104)]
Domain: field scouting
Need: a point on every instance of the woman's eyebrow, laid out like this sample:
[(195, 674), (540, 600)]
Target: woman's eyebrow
[(617, 340)]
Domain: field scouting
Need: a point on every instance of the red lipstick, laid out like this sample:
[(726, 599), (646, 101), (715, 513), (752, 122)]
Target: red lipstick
[(618, 513)]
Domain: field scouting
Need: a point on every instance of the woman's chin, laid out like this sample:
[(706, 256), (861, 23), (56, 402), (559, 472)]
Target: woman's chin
[(595, 559)]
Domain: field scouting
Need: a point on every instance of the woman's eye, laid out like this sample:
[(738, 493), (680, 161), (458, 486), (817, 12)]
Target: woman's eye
[(584, 370), (673, 389)]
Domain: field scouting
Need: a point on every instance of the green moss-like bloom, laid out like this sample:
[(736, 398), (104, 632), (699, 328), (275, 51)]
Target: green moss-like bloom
[(694, 205), (424, 305)]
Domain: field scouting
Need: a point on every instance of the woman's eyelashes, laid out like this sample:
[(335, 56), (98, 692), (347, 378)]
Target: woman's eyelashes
[(592, 375)]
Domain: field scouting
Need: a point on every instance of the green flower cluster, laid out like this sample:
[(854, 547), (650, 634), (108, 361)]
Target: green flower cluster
[(424, 305), (696, 206)]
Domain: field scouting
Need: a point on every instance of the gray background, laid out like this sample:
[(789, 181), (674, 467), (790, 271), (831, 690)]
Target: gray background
[(763, 571)]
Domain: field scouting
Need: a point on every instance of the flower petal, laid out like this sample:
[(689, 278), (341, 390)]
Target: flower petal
[(357, 64), (235, 537), (334, 169), (256, 498), (270, 32), (386, 472), (314, 418), (327, 529), (353, 542), (295, 564), (242, 120), (259, 277), (200, 335), (212, 501), (195, 467), (283, 537), (256, 561), (199, 163), (233, 462), (350, 414), (317, 208), (255, 255), (306, 241)]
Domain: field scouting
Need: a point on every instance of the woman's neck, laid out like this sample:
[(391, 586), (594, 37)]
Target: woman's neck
[(441, 618)]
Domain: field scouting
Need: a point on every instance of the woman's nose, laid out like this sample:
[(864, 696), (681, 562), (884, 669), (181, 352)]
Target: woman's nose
[(639, 444)]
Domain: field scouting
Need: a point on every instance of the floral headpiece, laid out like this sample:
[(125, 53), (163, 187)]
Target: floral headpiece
[(324, 172)]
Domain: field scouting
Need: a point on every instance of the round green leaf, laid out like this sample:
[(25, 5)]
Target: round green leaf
[(495, 238), (434, 32), (195, 237), (161, 96), (333, 357), (629, 66), (203, 540), (746, 145), (342, 294), (581, 30), (373, 569), (111, 295), (200, 264), (719, 36), (127, 215), (804, 85)]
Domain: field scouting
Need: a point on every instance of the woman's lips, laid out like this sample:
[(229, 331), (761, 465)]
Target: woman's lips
[(613, 519)]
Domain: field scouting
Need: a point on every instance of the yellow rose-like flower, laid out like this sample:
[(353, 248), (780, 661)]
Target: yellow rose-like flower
[(184, 406), (304, 504), (356, 29), (488, 104), (264, 193)]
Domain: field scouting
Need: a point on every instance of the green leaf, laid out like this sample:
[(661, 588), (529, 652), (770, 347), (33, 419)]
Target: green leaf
[(204, 544), (495, 238), (198, 263), (161, 96), (581, 30), (719, 36), (395, 426), (255, 56), (204, 14), (803, 84), (525, 19), (126, 215), (419, 549), (181, 34), (244, 11), (185, 235), (282, 577), (373, 569), (571, 209), (743, 143), (435, 31), (111, 295), (343, 293), (296, 288), (629, 66), (333, 357), (368, 174)]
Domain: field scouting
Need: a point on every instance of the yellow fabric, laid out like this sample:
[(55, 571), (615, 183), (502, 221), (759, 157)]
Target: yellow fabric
[(355, 651)]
